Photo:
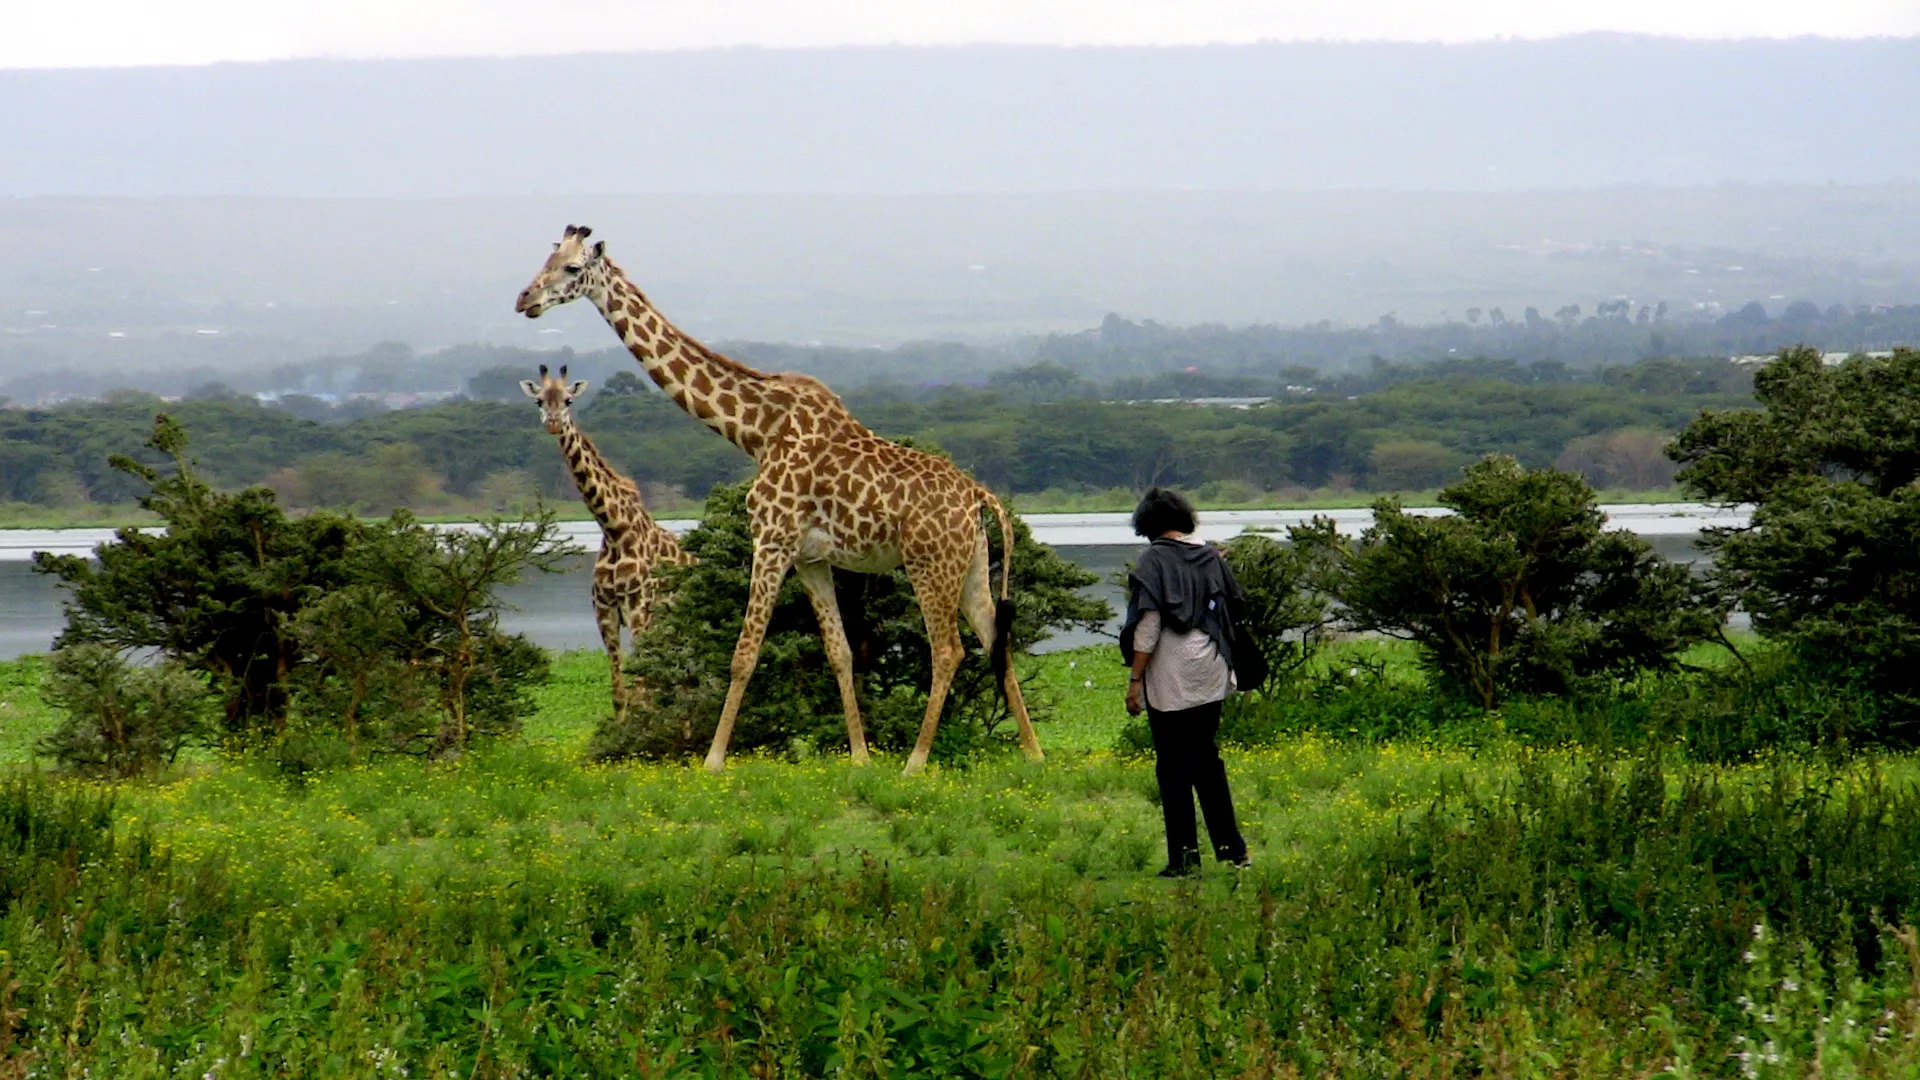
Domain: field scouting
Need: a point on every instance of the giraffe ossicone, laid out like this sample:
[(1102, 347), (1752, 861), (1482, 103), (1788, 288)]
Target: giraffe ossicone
[(632, 544), (828, 493)]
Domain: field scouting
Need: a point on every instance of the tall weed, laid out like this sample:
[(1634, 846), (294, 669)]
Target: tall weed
[(1518, 921)]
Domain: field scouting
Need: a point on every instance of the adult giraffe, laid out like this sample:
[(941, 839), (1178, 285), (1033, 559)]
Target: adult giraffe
[(632, 544), (828, 493)]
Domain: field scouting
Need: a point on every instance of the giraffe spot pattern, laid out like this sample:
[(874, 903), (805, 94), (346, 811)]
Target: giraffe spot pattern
[(632, 544), (821, 474)]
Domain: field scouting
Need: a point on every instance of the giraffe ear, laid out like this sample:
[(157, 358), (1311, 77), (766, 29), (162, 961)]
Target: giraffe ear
[(576, 389), (530, 388), (600, 249)]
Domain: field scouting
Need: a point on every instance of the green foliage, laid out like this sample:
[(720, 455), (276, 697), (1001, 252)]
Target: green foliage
[(1857, 422), (1774, 703), (121, 719), (388, 629), (41, 828), (24, 715), (1385, 428), (515, 913), (1410, 465), (389, 477), (500, 382), (1519, 590), (1688, 860), (1283, 612), (684, 659), (409, 656), (1361, 709), (1831, 461), (443, 584), (356, 684), (216, 590)]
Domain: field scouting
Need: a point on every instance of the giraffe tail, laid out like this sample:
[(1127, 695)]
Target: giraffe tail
[(1000, 653)]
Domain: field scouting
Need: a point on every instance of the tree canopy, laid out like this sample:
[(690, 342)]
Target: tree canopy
[(1829, 563)]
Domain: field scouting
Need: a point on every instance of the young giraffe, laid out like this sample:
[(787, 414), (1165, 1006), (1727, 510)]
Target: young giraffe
[(829, 493), (632, 544)]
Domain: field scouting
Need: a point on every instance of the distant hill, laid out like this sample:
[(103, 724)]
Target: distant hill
[(94, 284), (239, 215), (1567, 113)]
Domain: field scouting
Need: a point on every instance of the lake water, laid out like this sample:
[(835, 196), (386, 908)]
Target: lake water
[(554, 611)]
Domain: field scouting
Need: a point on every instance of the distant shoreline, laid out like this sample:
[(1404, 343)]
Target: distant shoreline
[(1044, 503), (1078, 529)]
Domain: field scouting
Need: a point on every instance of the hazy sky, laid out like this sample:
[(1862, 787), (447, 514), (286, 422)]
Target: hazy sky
[(92, 33)]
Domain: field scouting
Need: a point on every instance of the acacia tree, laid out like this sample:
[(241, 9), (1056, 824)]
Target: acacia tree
[(443, 587), (1519, 590), (357, 637), (1829, 563)]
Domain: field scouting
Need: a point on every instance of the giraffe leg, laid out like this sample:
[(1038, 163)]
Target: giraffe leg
[(639, 612), (769, 566), (976, 602), (817, 577), (607, 614), (940, 606)]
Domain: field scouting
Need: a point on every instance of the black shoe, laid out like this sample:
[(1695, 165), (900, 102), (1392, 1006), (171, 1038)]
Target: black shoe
[(1177, 872)]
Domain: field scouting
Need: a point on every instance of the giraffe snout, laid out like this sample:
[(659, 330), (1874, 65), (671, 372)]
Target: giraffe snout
[(526, 304)]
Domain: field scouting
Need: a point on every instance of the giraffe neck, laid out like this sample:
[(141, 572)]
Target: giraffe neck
[(721, 393), (595, 479)]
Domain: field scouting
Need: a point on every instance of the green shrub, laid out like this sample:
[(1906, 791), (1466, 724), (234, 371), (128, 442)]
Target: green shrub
[(1283, 612), (121, 719), (1831, 462), (215, 591), (1778, 703), (1821, 856), (320, 629), (42, 827), (1519, 591), (683, 660), (357, 687), (410, 657)]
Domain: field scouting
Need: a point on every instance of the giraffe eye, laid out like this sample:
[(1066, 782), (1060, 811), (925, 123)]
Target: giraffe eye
[(573, 268)]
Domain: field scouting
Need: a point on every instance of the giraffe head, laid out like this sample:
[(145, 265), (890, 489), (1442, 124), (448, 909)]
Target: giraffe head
[(575, 269), (555, 396)]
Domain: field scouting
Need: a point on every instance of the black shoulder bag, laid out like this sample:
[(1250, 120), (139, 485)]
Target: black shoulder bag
[(1250, 668)]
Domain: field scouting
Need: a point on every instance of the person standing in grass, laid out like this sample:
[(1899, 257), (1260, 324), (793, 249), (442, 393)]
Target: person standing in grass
[(1178, 641)]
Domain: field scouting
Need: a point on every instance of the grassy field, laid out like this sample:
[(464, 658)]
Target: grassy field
[(1414, 909)]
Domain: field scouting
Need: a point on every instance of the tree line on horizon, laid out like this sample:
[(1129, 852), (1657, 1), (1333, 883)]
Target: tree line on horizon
[(1412, 431), (1118, 358)]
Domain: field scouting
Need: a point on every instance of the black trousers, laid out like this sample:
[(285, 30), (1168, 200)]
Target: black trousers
[(1188, 764)]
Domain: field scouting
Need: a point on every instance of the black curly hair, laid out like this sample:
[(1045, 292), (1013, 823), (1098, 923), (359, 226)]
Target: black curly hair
[(1162, 510)]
